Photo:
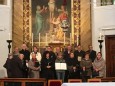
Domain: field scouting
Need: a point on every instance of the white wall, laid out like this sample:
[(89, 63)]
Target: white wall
[(5, 29), (103, 21)]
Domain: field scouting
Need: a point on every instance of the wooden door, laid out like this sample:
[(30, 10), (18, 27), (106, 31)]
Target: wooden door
[(110, 55)]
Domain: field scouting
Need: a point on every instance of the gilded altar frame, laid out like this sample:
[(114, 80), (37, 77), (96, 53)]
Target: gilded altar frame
[(75, 22)]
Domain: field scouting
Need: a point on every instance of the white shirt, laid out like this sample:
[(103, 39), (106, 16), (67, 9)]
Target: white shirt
[(38, 56)]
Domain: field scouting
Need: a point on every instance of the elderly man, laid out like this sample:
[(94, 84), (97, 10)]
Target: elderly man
[(26, 58), (18, 68)]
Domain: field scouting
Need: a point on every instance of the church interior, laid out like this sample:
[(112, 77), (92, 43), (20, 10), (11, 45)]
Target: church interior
[(58, 23)]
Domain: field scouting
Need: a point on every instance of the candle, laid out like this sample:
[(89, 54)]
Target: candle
[(39, 39), (46, 39), (64, 38), (70, 38), (32, 39), (9, 35), (100, 36), (77, 40)]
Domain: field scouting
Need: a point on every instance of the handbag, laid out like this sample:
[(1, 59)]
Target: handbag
[(95, 73)]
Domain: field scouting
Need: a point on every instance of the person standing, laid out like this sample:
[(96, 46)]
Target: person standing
[(34, 67), (79, 53), (51, 53), (67, 52), (60, 72), (17, 67), (16, 52), (8, 66), (66, 56), (73, 67), (86, 65), (38, 54), (26, 58), (47, 66), (92, 53), (58, 50), (99, 66)]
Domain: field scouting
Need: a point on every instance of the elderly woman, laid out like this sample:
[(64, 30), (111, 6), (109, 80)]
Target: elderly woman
[(86, 65), (34, 67), (99, 66)]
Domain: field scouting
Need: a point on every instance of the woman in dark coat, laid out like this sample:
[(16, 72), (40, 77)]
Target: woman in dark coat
[(47, 66), (8, 66), (73, 67)]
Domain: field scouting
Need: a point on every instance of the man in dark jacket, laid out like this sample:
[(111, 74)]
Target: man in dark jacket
[(17, 65), (92, 53), (66, 56), (67, 52), (79, 53), (26, 58)]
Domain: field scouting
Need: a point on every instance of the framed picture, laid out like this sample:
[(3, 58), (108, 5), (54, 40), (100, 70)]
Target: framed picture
[(51, 21)]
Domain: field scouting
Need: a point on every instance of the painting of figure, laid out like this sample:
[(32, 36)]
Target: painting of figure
[(51, 17)]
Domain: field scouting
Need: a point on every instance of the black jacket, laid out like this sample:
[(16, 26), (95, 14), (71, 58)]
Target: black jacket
[(26, 54), (47, 73), (72, 62), (66, 54), (77, 53), (17, 67), (8, 67), (92, 55)]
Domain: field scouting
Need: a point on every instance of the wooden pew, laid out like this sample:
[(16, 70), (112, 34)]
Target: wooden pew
[(94, 80), (108, 79), (22, 80), (74, 80)]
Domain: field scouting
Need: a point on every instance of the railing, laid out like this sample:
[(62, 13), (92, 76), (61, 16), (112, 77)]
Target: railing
[(23, 81)]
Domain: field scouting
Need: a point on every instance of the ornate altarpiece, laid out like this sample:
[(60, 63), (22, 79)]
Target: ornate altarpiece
[(75, 22)]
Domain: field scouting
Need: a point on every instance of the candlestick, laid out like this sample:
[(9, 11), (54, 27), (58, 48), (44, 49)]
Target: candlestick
[(64, 38), (9, 44), (39, 39), (46, 39), (100, 46), (32, 39), (70, 38), (77, 40)]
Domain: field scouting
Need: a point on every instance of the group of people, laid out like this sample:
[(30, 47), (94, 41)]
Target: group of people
[(79, 64)]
